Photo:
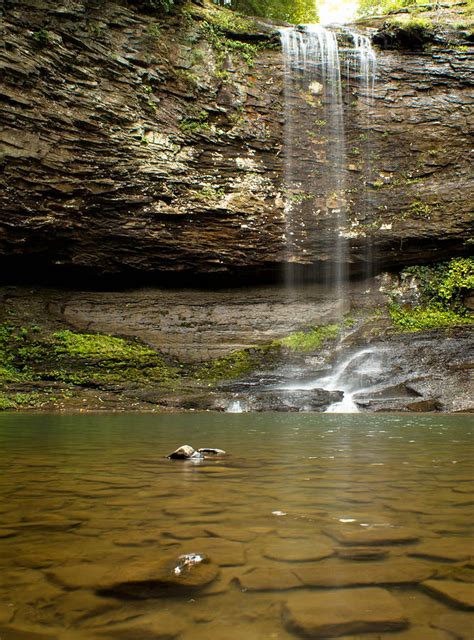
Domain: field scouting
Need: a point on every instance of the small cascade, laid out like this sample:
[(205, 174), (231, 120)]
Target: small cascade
[(357, 373), (235, 406), (361, 63)]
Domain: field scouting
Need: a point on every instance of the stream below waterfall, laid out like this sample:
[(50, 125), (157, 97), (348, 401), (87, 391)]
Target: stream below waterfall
[(331, 525)]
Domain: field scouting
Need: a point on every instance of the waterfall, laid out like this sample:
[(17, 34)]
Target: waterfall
[(315, 171), (313, 79), (318, 76)]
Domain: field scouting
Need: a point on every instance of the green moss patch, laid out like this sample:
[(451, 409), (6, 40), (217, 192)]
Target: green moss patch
[(235, 365), (311, 340)]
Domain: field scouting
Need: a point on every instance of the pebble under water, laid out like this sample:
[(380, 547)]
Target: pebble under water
[(315, 525)]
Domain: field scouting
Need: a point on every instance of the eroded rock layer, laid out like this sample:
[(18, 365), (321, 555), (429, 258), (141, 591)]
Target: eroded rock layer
[(135, 145)]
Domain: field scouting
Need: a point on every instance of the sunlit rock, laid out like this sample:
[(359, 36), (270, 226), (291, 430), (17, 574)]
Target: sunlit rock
[(186, 452)]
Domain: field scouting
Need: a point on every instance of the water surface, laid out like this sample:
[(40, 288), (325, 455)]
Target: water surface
[(304, 506)]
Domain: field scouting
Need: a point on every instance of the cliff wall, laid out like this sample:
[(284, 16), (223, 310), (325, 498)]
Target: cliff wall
[(133, 146)]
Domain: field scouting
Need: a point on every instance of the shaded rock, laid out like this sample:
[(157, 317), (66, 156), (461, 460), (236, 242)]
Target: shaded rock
[(398, 571), (326, 615), (297, 400), (457, 594), (268, 579), (390, 535), (424, 405), (411, 36), (298, 551)]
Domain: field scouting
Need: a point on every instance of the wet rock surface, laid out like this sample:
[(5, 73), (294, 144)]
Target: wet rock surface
[(286, 400)]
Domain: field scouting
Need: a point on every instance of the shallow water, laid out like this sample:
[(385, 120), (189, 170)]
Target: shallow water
[(305, 508)]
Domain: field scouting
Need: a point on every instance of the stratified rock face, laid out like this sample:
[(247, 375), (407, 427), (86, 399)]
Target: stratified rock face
[(132, 146)]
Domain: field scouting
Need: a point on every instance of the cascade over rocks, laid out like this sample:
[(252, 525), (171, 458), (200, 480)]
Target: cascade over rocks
[(122, 156)]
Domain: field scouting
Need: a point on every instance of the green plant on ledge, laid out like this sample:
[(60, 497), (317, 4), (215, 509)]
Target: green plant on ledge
[(443, 288)]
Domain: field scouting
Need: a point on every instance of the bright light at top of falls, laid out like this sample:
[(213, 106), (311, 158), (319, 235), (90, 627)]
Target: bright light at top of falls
[(337, 11)]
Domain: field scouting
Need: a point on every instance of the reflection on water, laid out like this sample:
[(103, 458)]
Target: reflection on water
[(319, 525)]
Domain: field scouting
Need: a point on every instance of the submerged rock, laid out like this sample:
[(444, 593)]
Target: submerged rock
[(327, 615), (174, 575)]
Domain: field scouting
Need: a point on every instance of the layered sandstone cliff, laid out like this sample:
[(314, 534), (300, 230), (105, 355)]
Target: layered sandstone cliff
[(132, 145)]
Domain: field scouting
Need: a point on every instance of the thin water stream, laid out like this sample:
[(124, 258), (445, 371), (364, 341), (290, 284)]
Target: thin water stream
[(349, 526)]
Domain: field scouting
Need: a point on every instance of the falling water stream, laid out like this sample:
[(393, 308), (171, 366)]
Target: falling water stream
[(314, 68)]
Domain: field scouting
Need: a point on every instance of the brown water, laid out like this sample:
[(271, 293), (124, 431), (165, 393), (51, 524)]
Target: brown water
[(335, 525)]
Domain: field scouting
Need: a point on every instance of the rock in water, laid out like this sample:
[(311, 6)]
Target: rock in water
[(172, 576), (186, 452), (209, 452)]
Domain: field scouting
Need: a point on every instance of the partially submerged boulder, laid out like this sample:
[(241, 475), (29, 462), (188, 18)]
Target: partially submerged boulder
[(186, 452)]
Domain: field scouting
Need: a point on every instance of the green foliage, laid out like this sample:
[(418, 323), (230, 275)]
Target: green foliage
[(224, 46), (445, 283), (295, 11), (306, 341), (442, 287), (41, 37), (419, 209), (382, 7), (195, 124), (19, 400), (422, 319)]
